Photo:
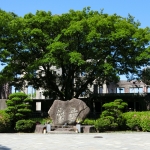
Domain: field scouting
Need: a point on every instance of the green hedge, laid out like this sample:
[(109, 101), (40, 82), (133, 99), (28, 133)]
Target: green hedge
[(5, 123), (25, 126), (102, 124), (137, 120)]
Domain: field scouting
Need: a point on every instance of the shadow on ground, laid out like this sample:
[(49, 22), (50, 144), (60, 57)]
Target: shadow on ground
[(4, 148)]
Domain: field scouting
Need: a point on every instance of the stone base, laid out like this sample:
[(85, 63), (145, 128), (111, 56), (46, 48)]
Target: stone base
[(61, 132), (73, 129), (40, 128), (88, 129), (66, 130)]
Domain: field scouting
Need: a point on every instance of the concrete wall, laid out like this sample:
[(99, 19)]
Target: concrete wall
[(3, 104)]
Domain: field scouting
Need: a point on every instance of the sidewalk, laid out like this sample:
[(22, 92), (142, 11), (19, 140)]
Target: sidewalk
[(91, 141)]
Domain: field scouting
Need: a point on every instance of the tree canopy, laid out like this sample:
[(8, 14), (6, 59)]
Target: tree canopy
[(145, 76), (83, 45)]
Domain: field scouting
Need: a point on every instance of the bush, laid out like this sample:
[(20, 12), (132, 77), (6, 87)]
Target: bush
[(138, 120), (111, 118), (132, 120), (25, 126), (145, 122), (5, 123), (18, 107), (102, 124), (88, 121)]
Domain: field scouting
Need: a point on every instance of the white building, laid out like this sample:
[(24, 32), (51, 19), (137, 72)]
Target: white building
[(122, 86)]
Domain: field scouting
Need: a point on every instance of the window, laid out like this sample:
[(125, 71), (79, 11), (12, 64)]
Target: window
[(148, 90), (136, 90), (120, 90), (100, 90), (38, 106)]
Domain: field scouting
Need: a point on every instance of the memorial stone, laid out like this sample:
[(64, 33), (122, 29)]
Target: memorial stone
[(67, 112)]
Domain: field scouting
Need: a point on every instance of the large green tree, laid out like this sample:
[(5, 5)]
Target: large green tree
[(84, 45), (9, 43)]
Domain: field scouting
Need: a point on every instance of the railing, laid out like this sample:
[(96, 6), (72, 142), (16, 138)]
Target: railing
[(120, 94)]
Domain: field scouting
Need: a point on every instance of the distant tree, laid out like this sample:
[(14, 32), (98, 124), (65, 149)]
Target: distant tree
[(145, 75), (99, 46)]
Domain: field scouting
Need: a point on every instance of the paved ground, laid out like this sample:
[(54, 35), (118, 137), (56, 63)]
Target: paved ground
[(91, 141)]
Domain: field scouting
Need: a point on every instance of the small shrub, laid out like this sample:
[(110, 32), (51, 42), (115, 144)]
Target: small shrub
[(5, 123), (138, 120), (25, 126), (102, 124), (111, 118), (88, 121), (18, 107), (42, 120), (145, 121), (132, 120), (46, 120)]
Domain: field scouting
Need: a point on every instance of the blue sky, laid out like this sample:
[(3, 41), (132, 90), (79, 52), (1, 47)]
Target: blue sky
[(137, 8)]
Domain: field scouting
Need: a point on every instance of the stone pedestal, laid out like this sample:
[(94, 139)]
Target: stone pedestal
[(40, 128)]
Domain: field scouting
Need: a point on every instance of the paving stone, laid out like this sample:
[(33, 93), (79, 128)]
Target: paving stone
[(81, 141)]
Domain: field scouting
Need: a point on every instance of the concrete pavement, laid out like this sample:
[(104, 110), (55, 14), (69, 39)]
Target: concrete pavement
[(80, 141)]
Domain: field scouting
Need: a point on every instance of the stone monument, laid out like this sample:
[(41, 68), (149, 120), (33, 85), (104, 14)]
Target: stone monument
[(68, 112)]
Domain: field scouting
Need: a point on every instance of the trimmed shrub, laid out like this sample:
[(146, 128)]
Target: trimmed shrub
[(102, 124), (111, 118), (18, 107), (5, 123), (145, 122), (25, 126), (132, 120), (138, 120)]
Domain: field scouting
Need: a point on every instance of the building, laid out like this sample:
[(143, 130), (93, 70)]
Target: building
[(122, 86)]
